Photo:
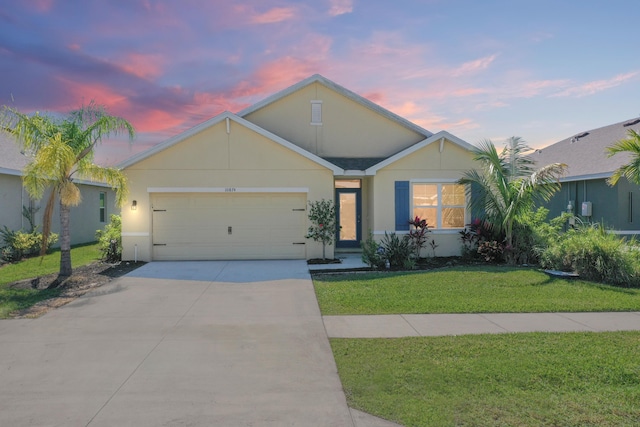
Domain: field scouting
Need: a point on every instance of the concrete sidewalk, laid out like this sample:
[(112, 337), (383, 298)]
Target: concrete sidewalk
[(414, 325)]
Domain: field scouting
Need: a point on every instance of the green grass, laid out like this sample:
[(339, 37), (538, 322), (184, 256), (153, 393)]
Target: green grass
[(537, 379), (485, 289), (18, 299)]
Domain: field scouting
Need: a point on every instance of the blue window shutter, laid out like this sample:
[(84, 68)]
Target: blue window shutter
[(402, 205)]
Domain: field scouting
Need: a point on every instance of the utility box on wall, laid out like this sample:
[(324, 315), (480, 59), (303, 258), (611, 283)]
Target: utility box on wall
[(586, 209)]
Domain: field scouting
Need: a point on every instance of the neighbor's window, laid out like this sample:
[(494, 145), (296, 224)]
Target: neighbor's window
[(442, 205), (103, 206)]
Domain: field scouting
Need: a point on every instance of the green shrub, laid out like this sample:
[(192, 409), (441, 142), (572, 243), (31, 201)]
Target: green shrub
[(372, 253), (18, 244), (398, 251), (110, 240), (595, 255), (532, 235)]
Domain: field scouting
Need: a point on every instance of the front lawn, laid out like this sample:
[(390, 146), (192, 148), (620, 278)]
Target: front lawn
[(17, 299), (483, 289), (536, 379)]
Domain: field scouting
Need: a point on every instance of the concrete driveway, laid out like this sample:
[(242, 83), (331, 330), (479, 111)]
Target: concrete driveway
[(178, 344)]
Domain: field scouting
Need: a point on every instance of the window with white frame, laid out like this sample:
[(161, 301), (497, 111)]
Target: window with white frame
[(102, 207), (443, 205)]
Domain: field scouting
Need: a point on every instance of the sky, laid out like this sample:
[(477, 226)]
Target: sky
[(543, 70)]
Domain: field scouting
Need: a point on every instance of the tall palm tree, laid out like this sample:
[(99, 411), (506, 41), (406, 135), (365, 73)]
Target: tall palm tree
[(508, 184), (62, 150), (631, 170)]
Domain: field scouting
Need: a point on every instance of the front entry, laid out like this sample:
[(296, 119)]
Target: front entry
[(349, 213)]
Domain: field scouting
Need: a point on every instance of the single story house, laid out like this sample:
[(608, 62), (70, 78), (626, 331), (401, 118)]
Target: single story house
[(98, 200), (585, 191), (238, 185)]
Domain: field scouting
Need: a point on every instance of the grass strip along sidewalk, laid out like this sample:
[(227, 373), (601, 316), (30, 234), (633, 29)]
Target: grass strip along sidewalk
[(524, 379), (534, 379)]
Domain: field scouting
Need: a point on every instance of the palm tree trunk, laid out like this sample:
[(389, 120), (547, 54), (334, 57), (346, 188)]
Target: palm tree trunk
[(65, 241)]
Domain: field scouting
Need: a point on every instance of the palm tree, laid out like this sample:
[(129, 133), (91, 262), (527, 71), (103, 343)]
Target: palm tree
[(62, 150), (508, 184), (631, 170)]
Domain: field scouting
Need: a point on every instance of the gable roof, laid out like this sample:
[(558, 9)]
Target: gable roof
[(317, 78), (585, 153), (12, 161), (415, 147), (216, 120)]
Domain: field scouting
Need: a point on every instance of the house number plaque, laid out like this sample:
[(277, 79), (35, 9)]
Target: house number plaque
[(230, 190)]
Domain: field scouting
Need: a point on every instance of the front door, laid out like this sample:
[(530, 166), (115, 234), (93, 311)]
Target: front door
[(349, 213)]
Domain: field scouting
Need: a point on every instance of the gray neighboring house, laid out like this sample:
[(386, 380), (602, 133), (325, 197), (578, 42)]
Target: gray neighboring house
[(585, 191), (92, 214)]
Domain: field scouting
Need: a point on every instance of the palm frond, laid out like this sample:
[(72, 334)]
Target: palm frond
[(111, 176), (631, 170)]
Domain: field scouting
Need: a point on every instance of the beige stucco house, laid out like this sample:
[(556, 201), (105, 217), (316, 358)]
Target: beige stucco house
[(238, 185), (98, 200)]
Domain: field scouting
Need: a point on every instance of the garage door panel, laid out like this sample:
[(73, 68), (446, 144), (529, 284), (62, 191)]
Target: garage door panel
[(229, 226)]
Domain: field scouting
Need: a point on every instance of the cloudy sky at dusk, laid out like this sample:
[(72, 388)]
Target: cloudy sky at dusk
[(540, 69)]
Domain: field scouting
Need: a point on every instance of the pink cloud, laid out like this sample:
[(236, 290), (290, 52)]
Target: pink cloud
[(142, 65), (274, 76), (275, 15), (596, 86), (41, 6), (475, 66), (340, 7)]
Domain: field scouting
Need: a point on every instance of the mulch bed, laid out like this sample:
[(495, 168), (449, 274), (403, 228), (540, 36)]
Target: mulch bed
[(82, 280)]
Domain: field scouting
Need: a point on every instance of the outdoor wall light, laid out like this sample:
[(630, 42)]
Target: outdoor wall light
[(134, 205)]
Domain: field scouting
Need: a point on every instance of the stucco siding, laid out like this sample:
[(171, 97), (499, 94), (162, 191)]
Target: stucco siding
[(428, 163), (348, 128), (85, 218), (12, 198), (244, 160)]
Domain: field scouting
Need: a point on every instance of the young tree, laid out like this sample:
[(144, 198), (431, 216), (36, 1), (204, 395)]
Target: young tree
[(631, 170), (323, 228), (507, 185), (62, 150)]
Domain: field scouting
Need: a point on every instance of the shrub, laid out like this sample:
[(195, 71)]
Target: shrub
[(532, 235), (372, 253), (491, 251), (595, 255), (418, 235), (398, 251), (110, 240), (475, 234), (19, 244)]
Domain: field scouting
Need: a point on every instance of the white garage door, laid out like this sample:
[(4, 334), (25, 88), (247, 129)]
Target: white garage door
[(206, 226)]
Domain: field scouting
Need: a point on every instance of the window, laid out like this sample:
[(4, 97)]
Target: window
[(442, 205), (316, 113), (348, 183), (103, 206)]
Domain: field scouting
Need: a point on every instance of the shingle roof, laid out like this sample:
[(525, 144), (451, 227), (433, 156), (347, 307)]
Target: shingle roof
[(585, 152), (11, 159)]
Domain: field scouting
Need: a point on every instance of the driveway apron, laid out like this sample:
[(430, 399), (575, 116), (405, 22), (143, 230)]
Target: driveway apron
[(226, 343)]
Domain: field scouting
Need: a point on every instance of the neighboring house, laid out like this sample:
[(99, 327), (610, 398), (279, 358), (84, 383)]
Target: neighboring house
[(92, 214), (585, 191), (238, 185)]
